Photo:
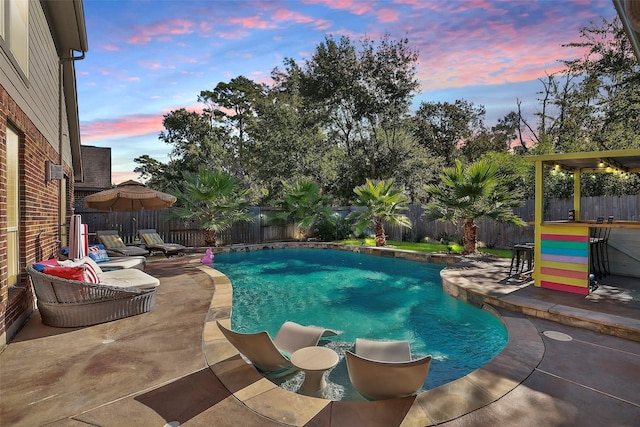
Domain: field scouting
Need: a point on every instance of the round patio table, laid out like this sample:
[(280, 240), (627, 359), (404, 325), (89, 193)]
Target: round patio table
[(314, 362)]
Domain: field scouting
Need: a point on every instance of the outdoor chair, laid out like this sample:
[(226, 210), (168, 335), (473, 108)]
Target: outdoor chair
[(384, 369), (154, 242), (99, 254), (521, 255), (599, 248), (271, 356), (114, 245), (70, 303)]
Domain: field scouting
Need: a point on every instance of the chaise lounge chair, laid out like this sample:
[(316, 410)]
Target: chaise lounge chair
[(69, 303), (271, 357), (114, 245), (384, 369), (154, 242)]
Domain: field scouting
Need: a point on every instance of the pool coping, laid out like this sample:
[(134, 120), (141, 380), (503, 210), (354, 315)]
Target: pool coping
[(485, 385)]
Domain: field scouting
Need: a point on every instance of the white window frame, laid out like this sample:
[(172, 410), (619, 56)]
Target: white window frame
[(14, 33), (13, 206)]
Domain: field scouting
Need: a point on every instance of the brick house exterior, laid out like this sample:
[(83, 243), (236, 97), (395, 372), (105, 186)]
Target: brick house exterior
[(39, 127)]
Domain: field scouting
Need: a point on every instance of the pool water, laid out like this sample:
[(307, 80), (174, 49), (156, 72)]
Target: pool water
[(362, 296)]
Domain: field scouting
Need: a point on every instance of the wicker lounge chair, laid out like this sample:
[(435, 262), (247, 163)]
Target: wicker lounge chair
[(71, 303), (115, 246), (154, 242), (384, 369), (271, 357)]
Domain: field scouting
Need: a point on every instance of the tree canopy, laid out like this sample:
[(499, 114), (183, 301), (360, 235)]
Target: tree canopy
[(344, 115)]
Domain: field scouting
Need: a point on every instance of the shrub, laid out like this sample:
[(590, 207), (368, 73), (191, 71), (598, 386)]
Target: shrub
[(332, 228)]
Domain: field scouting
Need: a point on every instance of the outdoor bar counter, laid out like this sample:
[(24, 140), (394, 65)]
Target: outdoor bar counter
[(594, 224), (564, 254)]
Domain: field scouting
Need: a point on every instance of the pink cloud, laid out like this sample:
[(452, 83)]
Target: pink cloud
[(352, 6), (120, 177), (387, 15), (105, 71), (322, 24), (254, 22), (235, 34), (111, 47), (513, 57), (150, 65), (205, 27), (162, 30), (283, 14), (129, 126), (121, 127)]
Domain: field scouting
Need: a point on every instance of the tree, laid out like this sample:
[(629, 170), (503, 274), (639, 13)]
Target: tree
[(469, 193), (498, 139), (382, 202), (360, 94), (443, 127), (303, 203), (157, 175), (212, 197), (194, 142), (592, 105), (288, 142), (609, 85), (233, 105)]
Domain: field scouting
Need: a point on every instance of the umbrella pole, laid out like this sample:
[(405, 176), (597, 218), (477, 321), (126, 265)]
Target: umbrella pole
[(135, 228)]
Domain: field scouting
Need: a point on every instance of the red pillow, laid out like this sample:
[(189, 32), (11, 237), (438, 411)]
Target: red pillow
[(69, 273)]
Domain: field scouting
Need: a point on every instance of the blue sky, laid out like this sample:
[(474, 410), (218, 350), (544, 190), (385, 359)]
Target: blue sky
[(149, 57)]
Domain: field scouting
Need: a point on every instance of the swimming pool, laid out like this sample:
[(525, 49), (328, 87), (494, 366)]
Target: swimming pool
[(363, 296)]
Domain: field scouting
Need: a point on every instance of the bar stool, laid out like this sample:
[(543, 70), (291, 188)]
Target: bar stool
[(599, 248), (603, 247), (520, 254), (594, 238)]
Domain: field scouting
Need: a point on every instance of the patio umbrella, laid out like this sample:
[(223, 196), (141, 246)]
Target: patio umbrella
[(78, 238), (127, 197)]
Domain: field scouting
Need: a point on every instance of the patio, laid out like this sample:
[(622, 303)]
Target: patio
[(168, 366)]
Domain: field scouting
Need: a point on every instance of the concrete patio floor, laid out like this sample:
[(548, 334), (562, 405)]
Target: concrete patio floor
[(169, 367)]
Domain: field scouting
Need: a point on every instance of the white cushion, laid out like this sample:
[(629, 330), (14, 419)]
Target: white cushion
[(128, 278), (116, 263)]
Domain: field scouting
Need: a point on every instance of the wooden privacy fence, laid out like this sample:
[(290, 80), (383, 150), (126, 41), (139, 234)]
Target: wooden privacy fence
[(187, 233), (492, 234)]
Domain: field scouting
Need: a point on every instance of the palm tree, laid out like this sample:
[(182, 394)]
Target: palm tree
[(383, 202), (214, 198), (469, 193), (303, 203)]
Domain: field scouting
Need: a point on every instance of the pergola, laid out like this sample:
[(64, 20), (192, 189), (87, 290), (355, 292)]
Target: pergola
[(562, 254)]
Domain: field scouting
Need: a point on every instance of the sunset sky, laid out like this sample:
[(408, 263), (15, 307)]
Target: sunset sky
[(147, 58)]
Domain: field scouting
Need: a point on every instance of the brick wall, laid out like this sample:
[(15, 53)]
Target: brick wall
[(39, 212)]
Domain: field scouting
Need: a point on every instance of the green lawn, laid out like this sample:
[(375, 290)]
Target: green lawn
[(427, 247)]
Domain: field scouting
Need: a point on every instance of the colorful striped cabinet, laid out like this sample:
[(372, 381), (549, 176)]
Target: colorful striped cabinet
[(563, 259)]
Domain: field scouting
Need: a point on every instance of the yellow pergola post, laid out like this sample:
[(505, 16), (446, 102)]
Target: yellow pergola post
[(538, 218), (576, 193)]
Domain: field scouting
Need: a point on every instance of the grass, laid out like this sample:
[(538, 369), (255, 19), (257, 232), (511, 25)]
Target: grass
[(428, 247)]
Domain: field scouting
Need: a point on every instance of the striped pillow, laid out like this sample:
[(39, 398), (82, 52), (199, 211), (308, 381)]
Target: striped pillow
[(112, 241), (153, 239), (90, 275)]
